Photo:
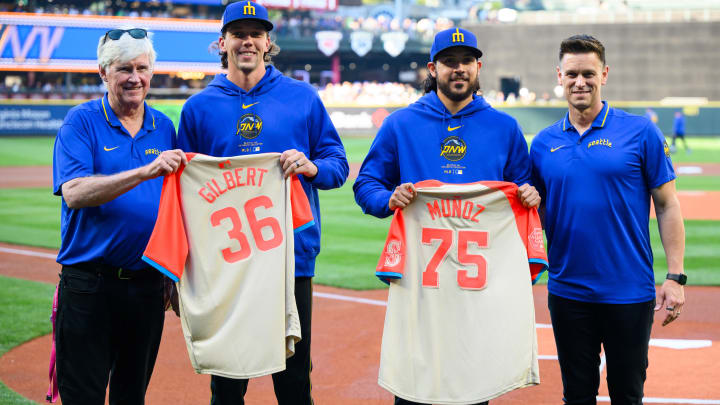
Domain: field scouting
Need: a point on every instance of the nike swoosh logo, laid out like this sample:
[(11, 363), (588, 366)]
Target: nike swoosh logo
[(453, 128), (554, 149), (249, 105), (109, 149)]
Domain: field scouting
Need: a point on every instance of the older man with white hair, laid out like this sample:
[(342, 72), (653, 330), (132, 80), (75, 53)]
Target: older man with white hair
[(109, 155)]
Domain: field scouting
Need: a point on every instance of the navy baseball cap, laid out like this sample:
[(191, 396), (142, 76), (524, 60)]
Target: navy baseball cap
[(246, 10), (454, 37)]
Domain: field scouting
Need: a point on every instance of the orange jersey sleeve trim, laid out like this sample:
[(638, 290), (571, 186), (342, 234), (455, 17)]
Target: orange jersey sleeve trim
[(301, 211), (167, 249), (392, 261)]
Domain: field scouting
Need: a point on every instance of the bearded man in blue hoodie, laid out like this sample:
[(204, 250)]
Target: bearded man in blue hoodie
[(416, 143), (450, 134), (255, 109)]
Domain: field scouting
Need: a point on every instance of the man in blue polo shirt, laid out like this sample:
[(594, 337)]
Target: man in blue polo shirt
[(596, 170), (109, 154)]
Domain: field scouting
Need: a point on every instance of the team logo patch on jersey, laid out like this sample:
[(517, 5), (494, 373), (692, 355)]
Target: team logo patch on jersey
[(453, 148), (536, 239), (393, 253), (667, 148), (249, 126)]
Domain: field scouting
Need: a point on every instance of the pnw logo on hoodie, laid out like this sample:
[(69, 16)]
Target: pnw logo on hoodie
[(249, 126), (453, 148)]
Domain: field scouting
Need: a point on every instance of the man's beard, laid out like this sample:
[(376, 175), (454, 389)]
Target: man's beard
[(454, 95)]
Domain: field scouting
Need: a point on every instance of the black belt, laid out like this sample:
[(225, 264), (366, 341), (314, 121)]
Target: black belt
[(117, 272)]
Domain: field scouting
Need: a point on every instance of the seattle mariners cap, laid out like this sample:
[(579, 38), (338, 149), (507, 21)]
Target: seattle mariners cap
[(454, 37), (246, 10)]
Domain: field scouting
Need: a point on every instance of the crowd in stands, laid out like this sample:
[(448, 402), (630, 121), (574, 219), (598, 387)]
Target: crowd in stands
[(299, 25), (368, 93), (87, 86)]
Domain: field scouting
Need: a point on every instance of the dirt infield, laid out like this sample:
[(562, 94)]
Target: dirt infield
[(346, 350)]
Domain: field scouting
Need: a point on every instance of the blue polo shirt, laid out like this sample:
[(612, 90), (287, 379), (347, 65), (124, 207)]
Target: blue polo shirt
[(92, 141), (596, 191)]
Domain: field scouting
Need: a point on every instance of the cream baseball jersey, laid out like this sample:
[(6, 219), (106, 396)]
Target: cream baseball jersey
[(460, 321), (225, 233)]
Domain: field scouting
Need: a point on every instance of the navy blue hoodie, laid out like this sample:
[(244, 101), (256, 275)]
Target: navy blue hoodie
[(277, 114), (426, 142)]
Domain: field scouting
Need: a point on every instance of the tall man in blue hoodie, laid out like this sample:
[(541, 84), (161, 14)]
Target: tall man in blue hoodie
[(255, 109), (413, 143)]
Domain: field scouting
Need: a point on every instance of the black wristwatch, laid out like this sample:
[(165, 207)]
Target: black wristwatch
[(679, 278)]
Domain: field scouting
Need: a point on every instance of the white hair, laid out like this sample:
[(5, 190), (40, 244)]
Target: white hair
[(124, 49)]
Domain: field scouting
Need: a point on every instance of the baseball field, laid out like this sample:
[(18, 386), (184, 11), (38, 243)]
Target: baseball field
[(349, 306)]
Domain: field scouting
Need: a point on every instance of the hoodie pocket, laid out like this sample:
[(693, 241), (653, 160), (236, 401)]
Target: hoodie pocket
[(307, 242)]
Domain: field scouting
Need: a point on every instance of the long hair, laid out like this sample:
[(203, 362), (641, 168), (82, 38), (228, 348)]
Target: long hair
[(429, 84)]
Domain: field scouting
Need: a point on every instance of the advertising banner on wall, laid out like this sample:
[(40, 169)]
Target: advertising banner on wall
[(44, 117), (32, 119)]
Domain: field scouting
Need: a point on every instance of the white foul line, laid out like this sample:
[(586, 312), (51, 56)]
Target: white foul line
[(647, 400), (28, 253), (351, 299)]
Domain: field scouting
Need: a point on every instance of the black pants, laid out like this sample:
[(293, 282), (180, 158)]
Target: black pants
[(400, 401), (107, 328), (292, 385), (622, 329)]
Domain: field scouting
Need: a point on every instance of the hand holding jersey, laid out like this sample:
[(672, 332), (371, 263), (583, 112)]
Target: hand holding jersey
[(167, 162), (295, 162), (529, 196), (405, 193)]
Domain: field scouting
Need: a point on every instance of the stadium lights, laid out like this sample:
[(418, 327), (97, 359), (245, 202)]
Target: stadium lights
[(191, 75)]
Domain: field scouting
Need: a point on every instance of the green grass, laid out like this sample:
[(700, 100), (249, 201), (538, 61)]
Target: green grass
[(25, 308), (356, 147), (351, 242), (30, 216), (701, 253), (704, 150), (26, 151), (706, 183)]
